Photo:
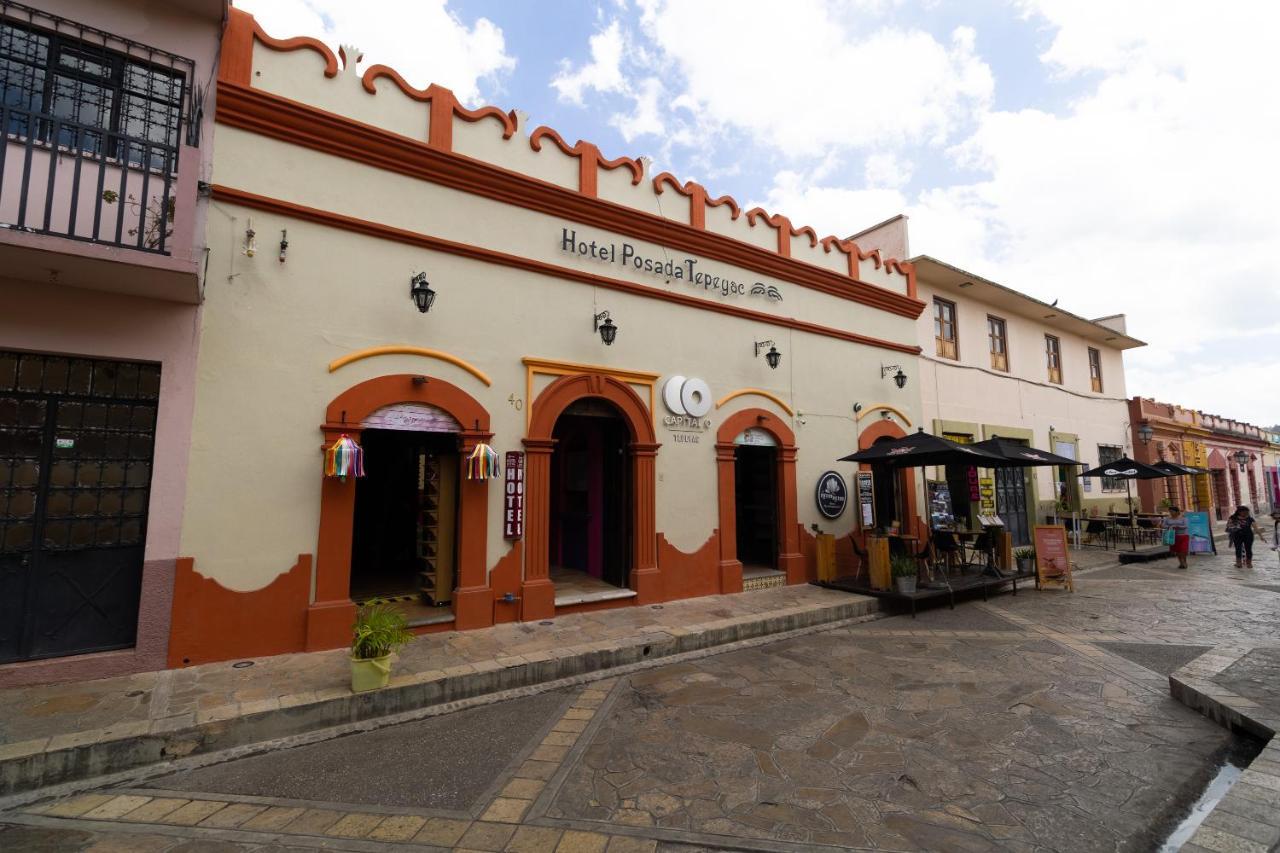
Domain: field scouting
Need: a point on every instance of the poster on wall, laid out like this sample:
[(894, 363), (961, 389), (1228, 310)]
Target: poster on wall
[(940, 513), (1053, 560), (987, 496), (865, 486), (1200, 532), (513, 496), (831, 494)]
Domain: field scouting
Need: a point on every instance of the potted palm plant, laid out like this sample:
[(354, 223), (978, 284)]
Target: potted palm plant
[(1026, 558), (904, 571), (378, 631)]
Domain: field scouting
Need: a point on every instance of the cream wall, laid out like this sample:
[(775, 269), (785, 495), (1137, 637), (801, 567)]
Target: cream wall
[(968, 390), (270, 329)]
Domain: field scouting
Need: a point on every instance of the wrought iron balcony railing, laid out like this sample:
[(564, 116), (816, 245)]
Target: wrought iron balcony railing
[(85, 183)]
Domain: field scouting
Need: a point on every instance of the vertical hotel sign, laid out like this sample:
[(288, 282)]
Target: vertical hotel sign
[(513, 496)]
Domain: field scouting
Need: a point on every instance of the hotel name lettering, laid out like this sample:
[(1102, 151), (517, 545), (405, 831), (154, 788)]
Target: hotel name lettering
[(683, 269)]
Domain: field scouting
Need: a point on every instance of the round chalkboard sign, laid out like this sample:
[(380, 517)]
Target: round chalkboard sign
[(831, 494)]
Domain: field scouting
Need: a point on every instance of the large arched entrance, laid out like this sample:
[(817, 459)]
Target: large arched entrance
[(895, 491), (589, 491), (756, 464), (460, 423)]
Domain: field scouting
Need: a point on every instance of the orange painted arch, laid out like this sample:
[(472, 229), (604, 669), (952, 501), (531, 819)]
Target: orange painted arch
[(405, 349), (742, 392)]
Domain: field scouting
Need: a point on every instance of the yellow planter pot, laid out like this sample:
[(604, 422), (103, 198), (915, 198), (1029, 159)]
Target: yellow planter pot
[(370, 673)]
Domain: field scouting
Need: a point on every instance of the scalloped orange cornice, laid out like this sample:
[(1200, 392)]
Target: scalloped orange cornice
[(590, 160), (236, 66)]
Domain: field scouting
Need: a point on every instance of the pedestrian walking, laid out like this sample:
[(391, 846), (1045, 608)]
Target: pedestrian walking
[(1176, 535), (1241, 528)]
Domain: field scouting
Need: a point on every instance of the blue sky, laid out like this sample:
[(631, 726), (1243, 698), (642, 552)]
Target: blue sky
[(1117, 157)]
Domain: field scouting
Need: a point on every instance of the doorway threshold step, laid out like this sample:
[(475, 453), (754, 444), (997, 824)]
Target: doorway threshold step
[(572, 598)]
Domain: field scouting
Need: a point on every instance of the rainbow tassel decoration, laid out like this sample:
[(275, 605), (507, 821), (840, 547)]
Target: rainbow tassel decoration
[(483, 463), (344, 459)]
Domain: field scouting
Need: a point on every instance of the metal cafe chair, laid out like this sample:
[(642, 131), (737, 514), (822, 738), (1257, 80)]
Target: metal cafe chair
[(1098, 528), (947, 550)]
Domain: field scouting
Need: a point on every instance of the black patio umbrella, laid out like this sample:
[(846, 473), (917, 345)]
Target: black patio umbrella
[(922, 449), (1127, 469), (1017, 455), (1177, 469)]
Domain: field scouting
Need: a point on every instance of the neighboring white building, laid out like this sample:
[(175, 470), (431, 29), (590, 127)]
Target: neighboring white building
[(998, 362)]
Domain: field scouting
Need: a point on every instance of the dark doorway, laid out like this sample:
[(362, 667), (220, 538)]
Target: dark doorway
[(885, 483), (755, 471), (76, 445), (405, 522), (591, 493), (1220, 496)]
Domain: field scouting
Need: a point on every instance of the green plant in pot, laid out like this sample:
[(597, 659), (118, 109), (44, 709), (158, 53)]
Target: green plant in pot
[(1026, 558), (378, 631), (904, 571)]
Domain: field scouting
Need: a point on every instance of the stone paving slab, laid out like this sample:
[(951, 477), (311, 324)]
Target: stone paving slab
[(52, 734)]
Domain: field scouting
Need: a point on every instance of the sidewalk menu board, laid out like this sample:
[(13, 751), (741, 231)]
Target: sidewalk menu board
[(864, 485), (940, 514), (1200, 532), (1053, 560)]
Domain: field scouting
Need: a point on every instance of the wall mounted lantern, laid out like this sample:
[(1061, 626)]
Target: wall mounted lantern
[(420, 290), (1241, 458), (607, 330), (1145, 432), (899, 378), (773, 357)]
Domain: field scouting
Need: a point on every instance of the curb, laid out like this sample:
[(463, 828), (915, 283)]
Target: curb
[(1247, 818), (32, 765)]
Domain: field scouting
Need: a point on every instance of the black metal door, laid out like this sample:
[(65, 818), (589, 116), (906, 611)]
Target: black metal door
[(76, 446), (1011, 503)]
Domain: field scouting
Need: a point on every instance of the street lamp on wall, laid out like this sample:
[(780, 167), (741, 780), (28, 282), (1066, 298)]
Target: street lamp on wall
[(1145, 432), (607, 330), (773, 357), (420, 290), (1242, 458), (899, 378)]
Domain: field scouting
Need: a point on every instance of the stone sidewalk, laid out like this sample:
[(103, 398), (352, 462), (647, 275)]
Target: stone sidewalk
[(53, 734)]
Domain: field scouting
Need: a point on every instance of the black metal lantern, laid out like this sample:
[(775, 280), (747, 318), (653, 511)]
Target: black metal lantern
[(608, 331), (1241, 458), (773, 358), (420, 290), (899, 378), (1145, 432)]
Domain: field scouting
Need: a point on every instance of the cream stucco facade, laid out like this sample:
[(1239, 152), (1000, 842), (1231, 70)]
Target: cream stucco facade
[(524, 245), (968, 395)]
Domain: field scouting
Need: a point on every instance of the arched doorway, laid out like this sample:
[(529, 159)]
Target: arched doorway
[(329, 616), (590, 525), (756, 463), (608, 440), (895, 491)]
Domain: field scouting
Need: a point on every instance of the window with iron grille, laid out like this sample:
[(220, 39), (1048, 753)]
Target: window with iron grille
[(84, 96), (1110, 453)]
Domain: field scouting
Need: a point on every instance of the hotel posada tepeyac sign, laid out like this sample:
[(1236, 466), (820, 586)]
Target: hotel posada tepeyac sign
[(671, 267)]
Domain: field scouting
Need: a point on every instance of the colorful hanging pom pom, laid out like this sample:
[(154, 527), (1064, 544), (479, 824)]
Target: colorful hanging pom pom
[(344, 459), (483, 463)]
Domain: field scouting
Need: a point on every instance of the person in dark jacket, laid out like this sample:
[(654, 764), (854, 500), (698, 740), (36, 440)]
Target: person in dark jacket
[(1241, 528)]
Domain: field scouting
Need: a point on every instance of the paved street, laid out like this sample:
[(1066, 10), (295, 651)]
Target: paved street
[(1041, 722)]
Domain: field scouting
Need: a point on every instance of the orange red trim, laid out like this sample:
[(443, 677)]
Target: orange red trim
[(742, 392), (698, 199), (590, 160), (414, 238), (444, 106), (404, 349), (296, 123), (235, 63)]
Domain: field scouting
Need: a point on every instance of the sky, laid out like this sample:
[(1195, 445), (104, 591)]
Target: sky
[(1120, 157)]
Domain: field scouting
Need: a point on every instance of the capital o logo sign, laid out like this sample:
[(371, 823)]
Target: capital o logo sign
[(685, 395)]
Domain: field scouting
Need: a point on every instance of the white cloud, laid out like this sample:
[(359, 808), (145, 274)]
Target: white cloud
[(603, 73), (804, 77), (886, 170), (422, 39)]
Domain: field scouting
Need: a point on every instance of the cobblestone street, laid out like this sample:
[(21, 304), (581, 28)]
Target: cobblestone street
[(1041, 722)]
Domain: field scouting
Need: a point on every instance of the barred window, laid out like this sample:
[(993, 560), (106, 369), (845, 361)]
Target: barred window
[(103, 102), (1110, 453)]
